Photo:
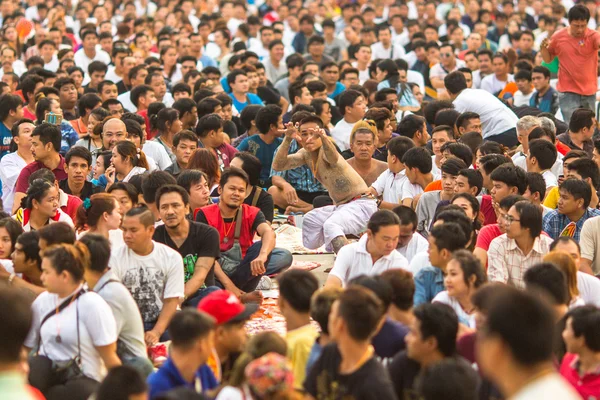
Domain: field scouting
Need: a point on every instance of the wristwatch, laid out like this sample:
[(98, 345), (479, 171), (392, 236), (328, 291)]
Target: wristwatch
[(11, 278)]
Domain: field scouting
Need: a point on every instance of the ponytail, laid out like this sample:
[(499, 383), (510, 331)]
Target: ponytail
[(91, 210), (36, 191)]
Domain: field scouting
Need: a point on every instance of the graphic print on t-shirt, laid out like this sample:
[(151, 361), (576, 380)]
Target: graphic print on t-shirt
[(189, 263), (146, 286)]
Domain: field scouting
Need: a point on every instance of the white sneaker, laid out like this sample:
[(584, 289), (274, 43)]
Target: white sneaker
[(265, 283)]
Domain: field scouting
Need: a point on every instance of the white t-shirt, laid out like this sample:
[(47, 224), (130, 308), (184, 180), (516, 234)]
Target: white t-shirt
[(494, 85), (439, 71), (10, 168), (158, 153), (410, 190), (435, 170), (551, 386), (389, 185), (341, 134), (150, 279), (233, 393), (463, 317), (97, 328), (590, 243), (589, 288), (125, 99), (520, 160), (418, 244), (115, 237), (83, 61), (521, 99), (496, 118), (354, 260), (393, 52), (112, 76), (419, 261), (550, 180)]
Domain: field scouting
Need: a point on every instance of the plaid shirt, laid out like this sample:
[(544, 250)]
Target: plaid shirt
[(507, 263), (554, 223), (301, 178)]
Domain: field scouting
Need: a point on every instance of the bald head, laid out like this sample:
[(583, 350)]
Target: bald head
[(113, 131)]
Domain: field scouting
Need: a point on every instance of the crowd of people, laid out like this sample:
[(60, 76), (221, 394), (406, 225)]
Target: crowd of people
[(446, 152)]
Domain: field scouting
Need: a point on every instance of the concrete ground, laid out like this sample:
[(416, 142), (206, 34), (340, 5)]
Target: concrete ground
[(326, 261)]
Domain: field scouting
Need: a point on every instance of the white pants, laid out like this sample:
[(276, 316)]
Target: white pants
[(322, 225)]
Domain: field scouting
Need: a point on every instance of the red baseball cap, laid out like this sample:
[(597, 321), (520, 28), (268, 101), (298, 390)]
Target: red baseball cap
[(225, 307)]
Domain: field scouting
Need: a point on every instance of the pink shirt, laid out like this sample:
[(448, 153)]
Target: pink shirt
[(578, 58)]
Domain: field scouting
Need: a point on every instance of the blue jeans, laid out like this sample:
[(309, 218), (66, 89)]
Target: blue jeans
[(242, 276), (148, 326), (193, 301), (569, 102), (280, 260)]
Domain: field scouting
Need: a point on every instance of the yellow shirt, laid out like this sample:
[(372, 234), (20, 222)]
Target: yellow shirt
[(299, 342), (551, 200)]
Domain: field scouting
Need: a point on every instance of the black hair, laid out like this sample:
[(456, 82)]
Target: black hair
[(447, 117), (164, 116), (530, 217), (181, 87), (233, 172), (410, 125), (511, 176), (28, 85), (208, 123), (361, 310), (450, 236), (464, 118), (544, 152), (9, 102), (128, 188), (190, 177), (60, 82), (455, 82), (248, 115), (139, 91), (439, 321), (14, 230), (581, 118), (459, 150), (189, 325), (297, 287), (406, 215), (548, 278), (184, 105), (153, 181), (578, 12), (419, 158), (320, 306), (57, 233), (381, 219), (266, 117), (347, 99), (251, 165), (377, 285), (172, 188), (453, 166), (99, 248), (398, 146), (120, 383), (492, 161), (586, 168), (402, 285), (541, 70), (536, 183), (448, 379), (578, 189), (17, 316), (207, 106), (585, 321), (474, 178)]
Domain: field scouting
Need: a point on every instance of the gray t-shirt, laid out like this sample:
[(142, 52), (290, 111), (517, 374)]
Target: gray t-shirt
[(425, 211), (334, 49)]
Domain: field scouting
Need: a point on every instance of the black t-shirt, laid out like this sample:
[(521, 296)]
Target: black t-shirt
[(403, 372), (88, 189), (265, 203), (122, 88), (268, 95), (389, 341), (202, 241), (369, 382)]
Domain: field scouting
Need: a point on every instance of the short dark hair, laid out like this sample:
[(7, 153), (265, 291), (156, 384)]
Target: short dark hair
[(138, 92), (446, 117), (455, 82), (398, 146), (189, 325), (541, 70), (88, 102), (184, 105), (31, 247), (581, 118), (511, 175), (474, 178), (207, 106), (548, 278), (419, 158), (410, 125), (29, 83), (406, 215), (120, 383), (586, 168), (448, 379), (208, 123), (233, 172), (248, 115), (347, 99), (531, 217), (459, 150), (403, 287), (453, 166), (585, 321), (465, 117), (184, 135), (99, 248), (297, 287), (154, 181), (449, 236), (382, 218), (251, 166), (536, 183), (17, 316), (361, 310), (80, 152), (440, 321), (266, 117), (58, 233), (190, 177), (544, 152), (232, 76), (320, 306), (165, 189), (578, 12), (9, 102), (492, 161), (578, 189)]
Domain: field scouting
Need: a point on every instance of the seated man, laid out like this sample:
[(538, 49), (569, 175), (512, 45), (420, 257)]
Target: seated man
[(184, 144), (195, 183), (373, 254), (410, 242), (541, 158), (418, 171), (151, 271), (241, 259), (78, 164), (354, 205), (573, 210), (362, 145), (27, 263)]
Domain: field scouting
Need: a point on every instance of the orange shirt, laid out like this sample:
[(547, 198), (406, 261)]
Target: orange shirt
[(435, 185)]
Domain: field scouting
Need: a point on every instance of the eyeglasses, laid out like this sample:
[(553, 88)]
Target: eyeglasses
[(510, 219)]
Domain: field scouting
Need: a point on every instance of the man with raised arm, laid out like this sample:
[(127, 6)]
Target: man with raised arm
[(353, 204)]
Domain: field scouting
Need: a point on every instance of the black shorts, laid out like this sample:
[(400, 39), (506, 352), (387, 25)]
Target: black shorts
[(308, 197)]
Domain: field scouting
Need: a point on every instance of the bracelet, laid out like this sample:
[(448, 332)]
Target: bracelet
[(11, 278)]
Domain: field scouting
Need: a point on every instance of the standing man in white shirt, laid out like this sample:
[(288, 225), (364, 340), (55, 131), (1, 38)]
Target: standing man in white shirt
[(373, 254), (88, 52), (12, 163), (352, 106), (153, 273), (384, 48), (498, 122)]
